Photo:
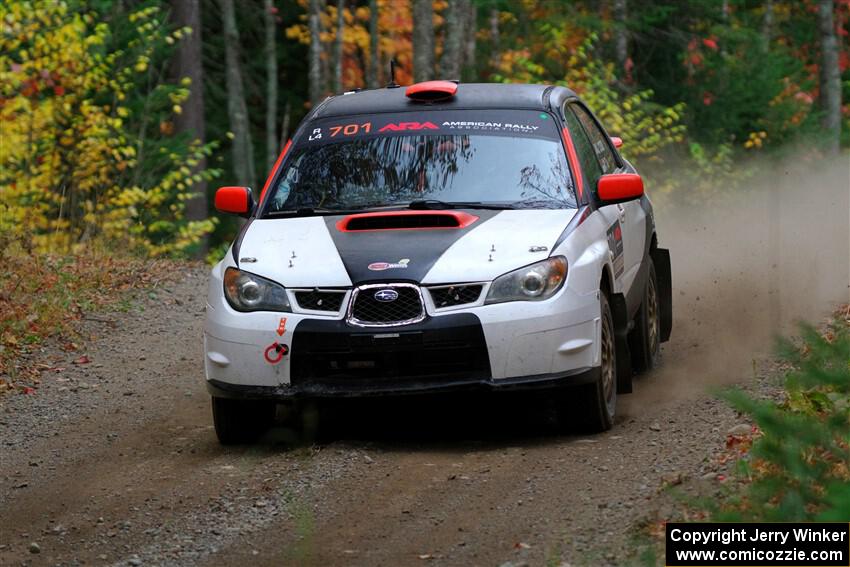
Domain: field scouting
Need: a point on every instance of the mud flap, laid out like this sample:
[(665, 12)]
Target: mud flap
[(621, 342), (661, 259)]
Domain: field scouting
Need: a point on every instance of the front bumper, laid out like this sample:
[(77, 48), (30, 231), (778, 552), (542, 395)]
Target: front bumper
[(500, 346)]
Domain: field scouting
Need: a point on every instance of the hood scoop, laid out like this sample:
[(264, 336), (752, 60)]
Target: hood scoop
[(405, 220)]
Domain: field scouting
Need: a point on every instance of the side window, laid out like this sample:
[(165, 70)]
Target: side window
[(597, 138), (584, 149)]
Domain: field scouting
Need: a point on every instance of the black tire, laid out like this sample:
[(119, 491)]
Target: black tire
[(592, 406), (644, 340), (241, 421)]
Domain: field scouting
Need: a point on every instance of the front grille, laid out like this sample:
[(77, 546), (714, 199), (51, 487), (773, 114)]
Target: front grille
[(367, 310), (320, 300), (455, 295), (331, 355)]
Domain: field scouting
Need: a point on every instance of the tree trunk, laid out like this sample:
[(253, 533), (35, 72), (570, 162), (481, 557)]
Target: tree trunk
[(340, 25), (830, 77), (621, 36), (187, 63), (471, 26), (315, 72), (237, 111), (271, 84), (451, 61), (767, 24), (284, 128), (423, 40), (374, 58), (494, 38)]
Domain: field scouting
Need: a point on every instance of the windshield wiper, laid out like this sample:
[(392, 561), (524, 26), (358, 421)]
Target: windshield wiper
[(301, 212), (421, 204), (434, 204), (308, 212), (320, 211)]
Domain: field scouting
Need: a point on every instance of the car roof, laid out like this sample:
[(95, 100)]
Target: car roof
[(468, 96)]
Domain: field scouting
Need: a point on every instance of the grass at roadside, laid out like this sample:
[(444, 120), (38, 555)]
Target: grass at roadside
[(45, 296)]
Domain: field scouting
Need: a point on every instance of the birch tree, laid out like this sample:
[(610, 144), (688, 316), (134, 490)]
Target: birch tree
[(471, 26), (315, 63), (830, 76), (451, 61), (621, 37), (340, 25), (187, 63), (494, 38), (237, 111), (271, 84), (374, 57), (423, 40)]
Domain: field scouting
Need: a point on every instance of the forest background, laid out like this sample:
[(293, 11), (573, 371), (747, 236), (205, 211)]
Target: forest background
[(119, 118)]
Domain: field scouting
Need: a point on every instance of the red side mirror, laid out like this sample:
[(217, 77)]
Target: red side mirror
[(617, 141), (619, 187), (235, 201)]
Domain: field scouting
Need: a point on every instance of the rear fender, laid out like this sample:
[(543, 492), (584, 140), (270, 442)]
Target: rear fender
[(621, 331), (661, 259)]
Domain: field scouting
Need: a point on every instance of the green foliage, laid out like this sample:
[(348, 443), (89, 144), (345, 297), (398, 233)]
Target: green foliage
[(739, 86), (87, 152), (648, 127), (800, 465)]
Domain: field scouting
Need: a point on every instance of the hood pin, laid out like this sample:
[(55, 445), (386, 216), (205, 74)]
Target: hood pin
[(492, 249), (290, 264)]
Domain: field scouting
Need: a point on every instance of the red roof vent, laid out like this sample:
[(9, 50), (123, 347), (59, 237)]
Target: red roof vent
[(432, 91)]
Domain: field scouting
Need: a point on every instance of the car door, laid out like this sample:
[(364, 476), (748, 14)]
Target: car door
[(592, 170), (629, 216)]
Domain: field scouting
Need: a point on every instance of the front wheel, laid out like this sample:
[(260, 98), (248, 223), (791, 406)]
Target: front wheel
[(241, 421), (592, 406)]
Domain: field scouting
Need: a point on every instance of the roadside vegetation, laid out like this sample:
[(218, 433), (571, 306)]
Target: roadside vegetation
[(45, 296), (797, 467), (792, 463)]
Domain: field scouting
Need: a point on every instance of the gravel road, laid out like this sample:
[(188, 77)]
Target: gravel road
[(114, 461)]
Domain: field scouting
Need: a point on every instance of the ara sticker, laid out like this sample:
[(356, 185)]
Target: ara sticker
[(275, 352), (281, 328), (409, 126), (615, 245), (381, 266)]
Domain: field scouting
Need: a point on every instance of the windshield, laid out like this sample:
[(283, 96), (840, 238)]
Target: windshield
[(453, 157)]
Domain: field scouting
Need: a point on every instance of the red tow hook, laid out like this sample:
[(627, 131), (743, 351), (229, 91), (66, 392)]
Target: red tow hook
[(275, 352)]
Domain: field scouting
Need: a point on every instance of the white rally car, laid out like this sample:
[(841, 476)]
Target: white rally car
[(436, 238)]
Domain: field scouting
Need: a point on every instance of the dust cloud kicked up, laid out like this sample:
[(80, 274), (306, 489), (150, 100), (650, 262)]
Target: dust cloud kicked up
[(747, 267)]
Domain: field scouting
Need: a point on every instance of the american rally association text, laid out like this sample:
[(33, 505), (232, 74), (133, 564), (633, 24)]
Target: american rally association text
[(743, 533)]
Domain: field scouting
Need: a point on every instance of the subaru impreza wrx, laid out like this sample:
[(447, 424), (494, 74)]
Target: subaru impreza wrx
[(437, 238)]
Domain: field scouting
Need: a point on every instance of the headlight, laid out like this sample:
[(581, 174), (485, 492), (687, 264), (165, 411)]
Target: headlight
[(531, 283), (248, 292)]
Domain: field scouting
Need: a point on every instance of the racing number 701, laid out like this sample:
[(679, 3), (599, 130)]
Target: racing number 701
[(351, 129)]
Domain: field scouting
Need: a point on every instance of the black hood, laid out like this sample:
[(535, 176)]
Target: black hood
[(397, 255)]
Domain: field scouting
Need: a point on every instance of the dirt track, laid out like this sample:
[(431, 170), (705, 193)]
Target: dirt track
[(115, 461)]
